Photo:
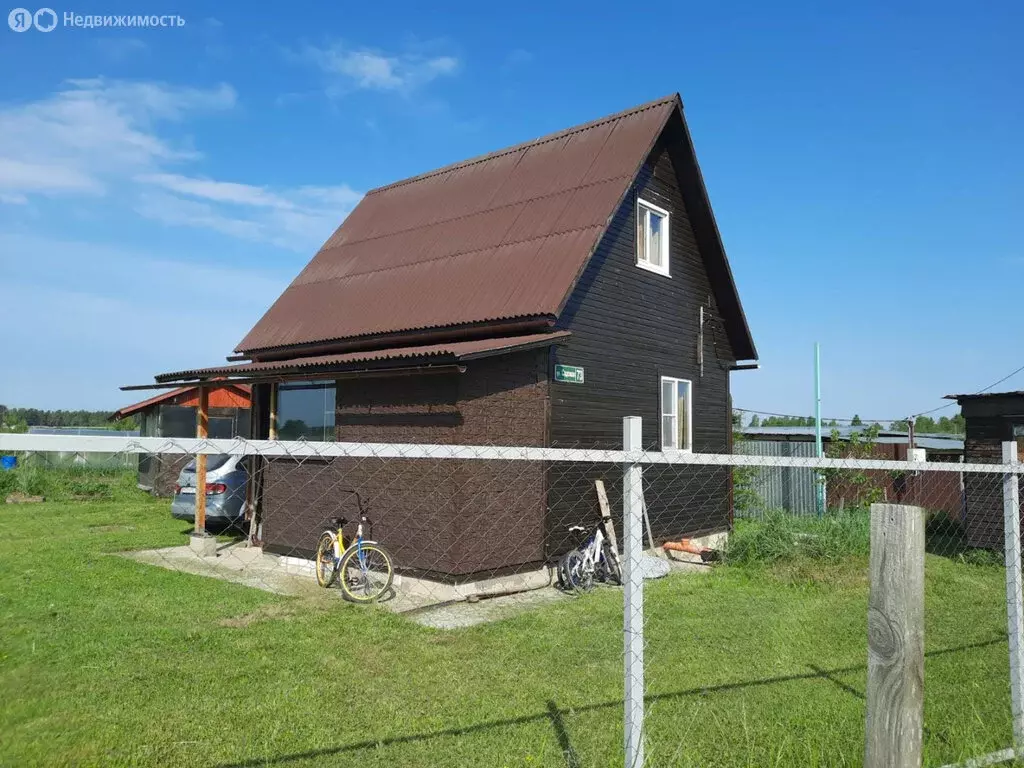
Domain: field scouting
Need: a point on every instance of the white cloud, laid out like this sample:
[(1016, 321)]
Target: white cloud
[(93, 131), (218, 191), (108, 137), (35, 177), (298, 219), (376, 70)]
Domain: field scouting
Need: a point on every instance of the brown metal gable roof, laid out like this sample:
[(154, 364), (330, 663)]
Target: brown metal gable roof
[(498, 237)]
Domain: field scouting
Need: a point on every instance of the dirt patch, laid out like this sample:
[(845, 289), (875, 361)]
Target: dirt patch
[(263, 613), (284, 611), (23, 498)]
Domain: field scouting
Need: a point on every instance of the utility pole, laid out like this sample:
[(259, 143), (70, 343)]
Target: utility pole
[(820, 488)]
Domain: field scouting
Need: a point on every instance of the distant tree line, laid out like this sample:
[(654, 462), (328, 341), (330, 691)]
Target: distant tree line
[(785, 421), (20, 419), (946, 425)]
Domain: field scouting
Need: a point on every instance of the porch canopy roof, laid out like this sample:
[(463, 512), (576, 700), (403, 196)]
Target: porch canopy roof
[(425, 357)]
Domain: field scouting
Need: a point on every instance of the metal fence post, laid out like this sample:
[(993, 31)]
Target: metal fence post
[(1014, 601), (633, 586)]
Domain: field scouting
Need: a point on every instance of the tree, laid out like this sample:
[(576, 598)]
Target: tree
[(855, 483), (855, 421), (755, 420)]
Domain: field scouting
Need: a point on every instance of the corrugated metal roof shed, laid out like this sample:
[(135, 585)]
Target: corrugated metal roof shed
[(234, 396), (498, 237), (979, 395), (432, 353)]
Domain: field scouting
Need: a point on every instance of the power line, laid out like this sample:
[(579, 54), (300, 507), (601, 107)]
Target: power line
[(980, 391), (883, 421), (986, 389)]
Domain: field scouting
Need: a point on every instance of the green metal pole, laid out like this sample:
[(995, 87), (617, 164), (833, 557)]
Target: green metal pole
[(820, 487)]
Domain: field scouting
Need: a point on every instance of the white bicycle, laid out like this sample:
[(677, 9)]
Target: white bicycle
[(594, 559)]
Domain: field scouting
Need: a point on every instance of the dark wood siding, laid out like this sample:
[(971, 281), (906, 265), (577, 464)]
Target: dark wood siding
[(990, 422), (449, 518), (631, 326)]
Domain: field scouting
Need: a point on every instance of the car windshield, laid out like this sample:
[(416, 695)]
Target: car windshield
[(213, 461)]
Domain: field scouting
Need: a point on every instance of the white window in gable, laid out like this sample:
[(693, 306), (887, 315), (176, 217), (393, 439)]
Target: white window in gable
[(651, 237), (676, 414)]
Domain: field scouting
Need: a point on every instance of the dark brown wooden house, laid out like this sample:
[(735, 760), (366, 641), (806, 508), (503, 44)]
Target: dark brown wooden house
[(533, 297), (992, 418)]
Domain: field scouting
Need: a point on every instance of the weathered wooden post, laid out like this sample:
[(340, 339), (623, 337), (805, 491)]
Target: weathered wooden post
[(202, 431), (895, 691), (272, 431), (1014, 601), (201, 542), (633, 594)]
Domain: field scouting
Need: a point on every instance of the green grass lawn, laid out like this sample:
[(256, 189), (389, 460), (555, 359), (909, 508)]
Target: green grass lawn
[(106, 661)]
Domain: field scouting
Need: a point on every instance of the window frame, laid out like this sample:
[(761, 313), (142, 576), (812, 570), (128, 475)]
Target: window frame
[(688, 448), (646, 263), (310, 385)]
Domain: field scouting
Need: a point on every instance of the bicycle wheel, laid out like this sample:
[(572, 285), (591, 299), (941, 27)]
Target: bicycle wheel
[(326, 562), (366, 572), (611, 571), (581, 578)]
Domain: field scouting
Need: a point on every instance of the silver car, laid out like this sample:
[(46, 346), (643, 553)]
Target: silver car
[(225, 491)]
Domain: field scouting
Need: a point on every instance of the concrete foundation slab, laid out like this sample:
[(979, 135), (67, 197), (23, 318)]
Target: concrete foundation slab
[(428, 602)]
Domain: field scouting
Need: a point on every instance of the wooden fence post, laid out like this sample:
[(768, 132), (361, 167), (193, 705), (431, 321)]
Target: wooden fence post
[(895, 690), (202, 431)]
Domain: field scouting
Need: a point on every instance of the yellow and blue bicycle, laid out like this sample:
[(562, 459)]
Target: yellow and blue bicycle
[(364, 568)]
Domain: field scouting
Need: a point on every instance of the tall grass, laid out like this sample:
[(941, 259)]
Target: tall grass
[(780, 537), (71, 483)]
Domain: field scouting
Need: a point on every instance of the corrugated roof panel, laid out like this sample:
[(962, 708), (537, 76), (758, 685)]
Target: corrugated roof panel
[(428, 243), (590, 205), (457, 350), (552, 166), (626, 148), (538, 217), (492, 238)]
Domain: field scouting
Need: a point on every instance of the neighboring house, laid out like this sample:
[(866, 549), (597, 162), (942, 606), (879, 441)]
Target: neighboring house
[(173, 414), (534, 296), (792, 489), (938, 447), (992, 418)]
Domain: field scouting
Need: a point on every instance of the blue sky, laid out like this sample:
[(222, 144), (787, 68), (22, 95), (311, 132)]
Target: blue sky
[(160, 187)]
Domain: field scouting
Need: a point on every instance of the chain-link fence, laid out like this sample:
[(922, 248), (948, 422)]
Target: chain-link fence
[(530, 605)]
